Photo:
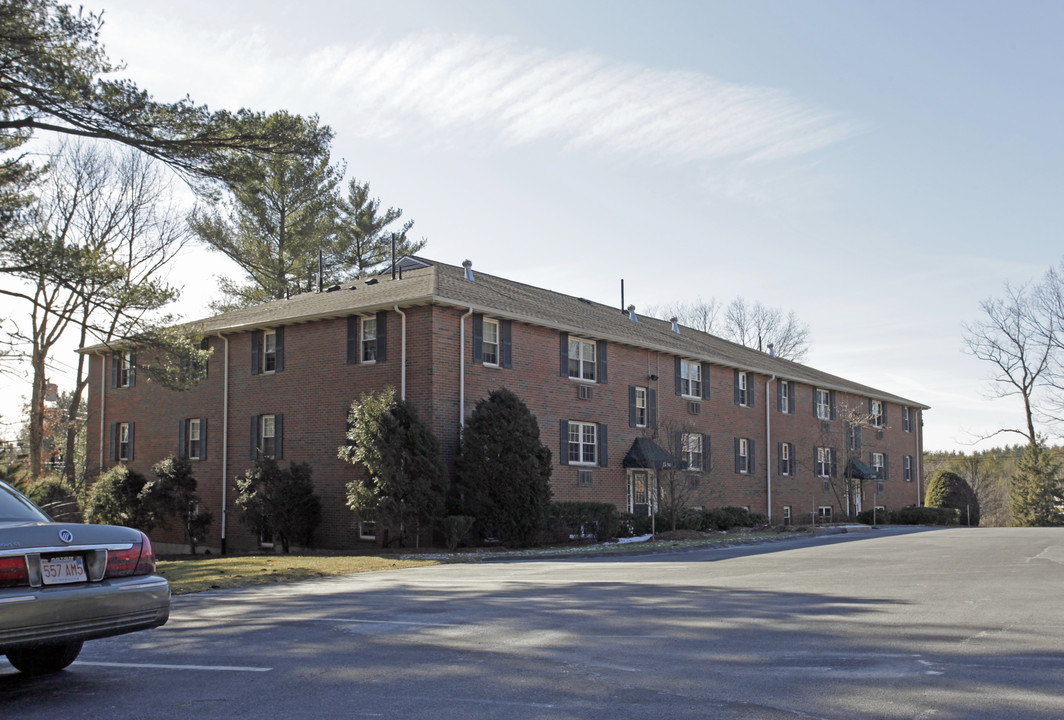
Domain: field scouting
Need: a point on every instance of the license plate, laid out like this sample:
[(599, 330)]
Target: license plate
[(58, 570)]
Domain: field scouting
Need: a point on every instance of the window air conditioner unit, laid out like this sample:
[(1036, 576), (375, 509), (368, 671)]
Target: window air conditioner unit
[(694, 408), (584, 392)]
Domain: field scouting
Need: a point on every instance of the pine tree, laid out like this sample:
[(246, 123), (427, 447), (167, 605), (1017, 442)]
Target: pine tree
[(1036, 493), (403, 488), (947, 489), (503, 470)]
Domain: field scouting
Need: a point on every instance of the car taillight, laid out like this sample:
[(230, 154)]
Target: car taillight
[(13, 572), (137, 560)]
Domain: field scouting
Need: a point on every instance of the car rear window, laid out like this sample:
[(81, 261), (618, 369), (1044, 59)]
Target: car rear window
[(14, 506)]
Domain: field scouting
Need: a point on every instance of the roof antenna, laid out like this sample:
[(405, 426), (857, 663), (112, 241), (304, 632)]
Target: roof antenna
[(321, 270), (622, 294), (393, 256)]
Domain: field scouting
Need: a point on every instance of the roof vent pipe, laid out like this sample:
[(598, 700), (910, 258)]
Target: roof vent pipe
[(675, 324), (468, 265), (631, 313)]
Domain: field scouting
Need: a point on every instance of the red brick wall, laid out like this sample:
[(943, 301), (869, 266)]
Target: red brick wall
[(316, 387)]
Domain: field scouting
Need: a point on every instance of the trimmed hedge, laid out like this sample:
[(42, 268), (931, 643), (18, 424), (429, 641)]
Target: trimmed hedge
[(913, 516), (584, 520)]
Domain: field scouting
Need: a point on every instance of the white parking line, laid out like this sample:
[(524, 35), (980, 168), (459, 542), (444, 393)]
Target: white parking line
[(345, 621), (158, 666)]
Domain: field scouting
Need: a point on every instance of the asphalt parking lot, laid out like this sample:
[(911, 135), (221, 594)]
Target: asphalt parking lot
[(888, 623)]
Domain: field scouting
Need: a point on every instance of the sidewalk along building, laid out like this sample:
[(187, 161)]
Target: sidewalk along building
[(625, 402)]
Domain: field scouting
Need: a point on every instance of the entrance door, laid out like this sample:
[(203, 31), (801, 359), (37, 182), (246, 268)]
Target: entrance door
[(639, 488)]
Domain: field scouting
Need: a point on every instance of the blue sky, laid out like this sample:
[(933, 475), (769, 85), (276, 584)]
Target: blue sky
[(879, 168)]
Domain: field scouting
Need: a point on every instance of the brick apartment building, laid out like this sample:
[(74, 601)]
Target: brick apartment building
[(610, 389)]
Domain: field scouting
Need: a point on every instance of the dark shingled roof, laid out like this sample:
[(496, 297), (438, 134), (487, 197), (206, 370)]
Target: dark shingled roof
[(441, 284)]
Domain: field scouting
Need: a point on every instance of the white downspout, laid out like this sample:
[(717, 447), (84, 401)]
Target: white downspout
[(768, 448), (402, 370), (225, 434), (461, 373), (919, 457), (103, 395)]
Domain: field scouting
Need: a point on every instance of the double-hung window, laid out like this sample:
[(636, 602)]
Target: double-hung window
[(744, 388), (875, 413), (583, 443), (690, 379), (641, 408), (369, 340), (906, 419), (195, 447), (878, 464), (124, 441), (823, 404), (786, 453), (268, 439), (823, 462), (125, 369), (490, 342), (744, 455), (907, 466), (784, 396), (692, 451), (582, 359), (269, 351)]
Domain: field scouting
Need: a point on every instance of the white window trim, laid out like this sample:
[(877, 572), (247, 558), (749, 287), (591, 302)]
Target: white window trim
[(823, 409), (194, 437), (785, 458), (880, 457), (271, 421), (687, 369), (744, 456), (642, 393), (907, 465), (785, 396), (877, 417), (584, 348), (122, 441), (693, 445), (267, 353), (125, 369), (484, 342), (578, 428), (823, 462), (363, 341), (744, 391)]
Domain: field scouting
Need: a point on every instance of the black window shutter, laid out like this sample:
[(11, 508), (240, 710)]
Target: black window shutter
[(603, 446), (278, 431), (735, 383), (113, 445), (478, 337), (564, 367), (131, 425), (751, 455), (886, 465), (679, 379), (705, 381), (352, 339), (706, 455), (832, 409), (506, 337), (751, 396), (279, 335), (114, 372), (601, 352), (779, 396), (563, 453), (181, 438), (779, 458), (203, 438), (132, 382), (382, 338), (884, 414), (652, 407), (834, 462), (255, 436), (631, 406), (256, 342)]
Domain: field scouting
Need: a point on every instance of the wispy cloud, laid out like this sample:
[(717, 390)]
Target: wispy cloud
[(514, 95)]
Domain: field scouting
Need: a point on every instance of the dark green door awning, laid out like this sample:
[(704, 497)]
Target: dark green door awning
[(862, 472), (645, 453)]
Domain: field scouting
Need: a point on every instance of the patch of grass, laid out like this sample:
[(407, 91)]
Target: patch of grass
[(196, 574)]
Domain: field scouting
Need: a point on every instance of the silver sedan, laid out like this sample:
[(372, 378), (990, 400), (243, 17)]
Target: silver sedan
[(64, 583)]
